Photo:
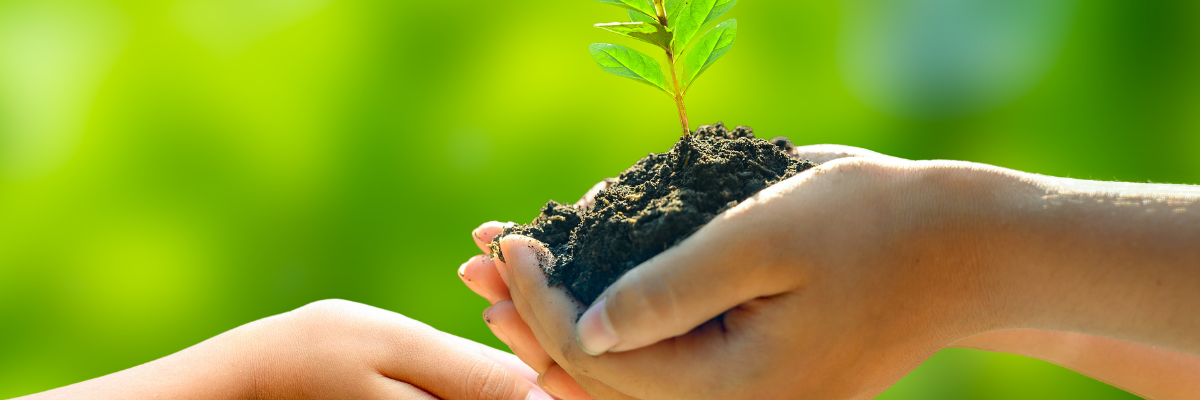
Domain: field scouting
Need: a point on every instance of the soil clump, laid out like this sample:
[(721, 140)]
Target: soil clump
[(655, 204)]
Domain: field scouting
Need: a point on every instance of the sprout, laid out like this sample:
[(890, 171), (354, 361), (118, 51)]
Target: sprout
[(672, 27)]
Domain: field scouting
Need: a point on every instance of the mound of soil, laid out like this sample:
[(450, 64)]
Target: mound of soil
[(655, 204)]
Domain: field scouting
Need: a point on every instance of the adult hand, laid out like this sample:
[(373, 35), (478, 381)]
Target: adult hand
[(330, 349), (884, 262), (815, 286), (480, 273)]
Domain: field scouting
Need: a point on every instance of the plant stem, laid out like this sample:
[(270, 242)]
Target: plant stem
[(683, 120), (678, 96), (661, 9)]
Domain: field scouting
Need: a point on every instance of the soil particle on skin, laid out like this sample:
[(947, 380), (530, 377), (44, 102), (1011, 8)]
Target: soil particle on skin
[(655, 204)]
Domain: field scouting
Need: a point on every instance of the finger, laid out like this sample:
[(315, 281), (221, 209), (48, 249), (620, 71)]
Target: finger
[(823, 153), (504, 321), (529, 321), (551, 314), (589, 198), (393, 389), (441, 365), (484, 234), (497, 331), (546, 310), (480, 275), (558, 383), (556, 377), (532, 345), (594, 386), (508, 360), (482, 379)]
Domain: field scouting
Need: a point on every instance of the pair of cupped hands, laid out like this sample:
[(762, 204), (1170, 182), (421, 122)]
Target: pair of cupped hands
[(825, 285)]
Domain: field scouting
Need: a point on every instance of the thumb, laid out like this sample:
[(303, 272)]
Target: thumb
[(716, 269), (484, 379), (452, 368), (823, 153)]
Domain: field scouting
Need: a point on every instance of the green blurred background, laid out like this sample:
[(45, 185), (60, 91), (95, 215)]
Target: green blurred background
[(172, 169)]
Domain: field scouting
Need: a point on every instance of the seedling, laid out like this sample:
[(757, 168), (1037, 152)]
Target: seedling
[(671, 25)]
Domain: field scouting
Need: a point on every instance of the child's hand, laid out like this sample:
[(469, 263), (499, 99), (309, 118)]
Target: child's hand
[(336, 349), (330, 349)]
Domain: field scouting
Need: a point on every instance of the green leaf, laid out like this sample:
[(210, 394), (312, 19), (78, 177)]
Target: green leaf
[(636, 16), (629, 63), (708, 49), (693, 16), (673, 8), (643, 6), (649, 32)]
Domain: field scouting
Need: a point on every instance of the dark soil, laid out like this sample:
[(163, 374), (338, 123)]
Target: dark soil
[(655, 204)]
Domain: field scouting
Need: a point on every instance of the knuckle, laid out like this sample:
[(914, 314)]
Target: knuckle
[(320, 319), (317, 313), (864, 170), (489, 381), (845, 166), (327, 306)]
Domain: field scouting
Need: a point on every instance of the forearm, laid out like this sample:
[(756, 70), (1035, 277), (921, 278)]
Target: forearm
[(1150, 372), (1107, 259), (213, 369)]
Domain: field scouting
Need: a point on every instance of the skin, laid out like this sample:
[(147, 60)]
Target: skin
[(1146, 371), (838, 282), (330, 349)]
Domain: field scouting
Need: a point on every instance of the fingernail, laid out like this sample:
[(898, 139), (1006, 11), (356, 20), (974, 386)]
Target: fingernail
[(496, 330), (595, 332), (535, 394), (548, 389), (462, 270)]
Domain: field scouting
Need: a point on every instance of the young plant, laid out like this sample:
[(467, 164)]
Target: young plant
[(671, 25)]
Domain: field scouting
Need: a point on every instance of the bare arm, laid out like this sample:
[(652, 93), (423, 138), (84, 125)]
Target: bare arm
[(1117, 260), (1147, 371), (214, 369)]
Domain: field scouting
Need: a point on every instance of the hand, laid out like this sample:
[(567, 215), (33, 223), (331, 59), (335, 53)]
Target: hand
[(330, 349), (743, 309), (906, 258), (344, 349), (482, 276)]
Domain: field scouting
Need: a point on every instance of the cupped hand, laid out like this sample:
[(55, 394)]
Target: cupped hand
[(833, 284), (483, 276), (836, 283)]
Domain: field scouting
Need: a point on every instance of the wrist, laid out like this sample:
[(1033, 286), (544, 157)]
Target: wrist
[(280, 350), (966, 217), (245, 356), (1106, 259)]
